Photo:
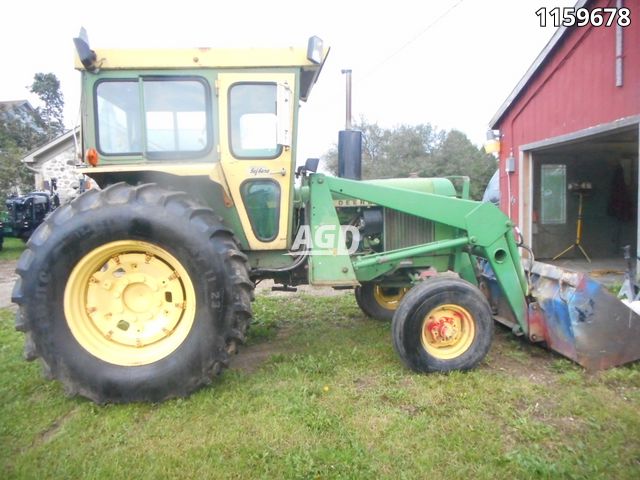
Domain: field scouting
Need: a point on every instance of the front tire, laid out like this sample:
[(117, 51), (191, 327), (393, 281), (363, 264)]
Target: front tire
[(443, 324), (132, 294), (377, 301)]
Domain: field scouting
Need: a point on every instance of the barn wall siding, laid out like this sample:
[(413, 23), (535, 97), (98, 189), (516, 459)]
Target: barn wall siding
[(573, 90)]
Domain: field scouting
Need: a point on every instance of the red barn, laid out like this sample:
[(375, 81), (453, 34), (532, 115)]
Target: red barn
[(569, 140)]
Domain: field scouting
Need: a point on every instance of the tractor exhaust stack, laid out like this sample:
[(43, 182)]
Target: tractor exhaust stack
[(347, 75)]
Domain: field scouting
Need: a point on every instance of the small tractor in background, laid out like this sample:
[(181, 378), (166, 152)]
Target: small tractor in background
[(26, 212), (140, 291)]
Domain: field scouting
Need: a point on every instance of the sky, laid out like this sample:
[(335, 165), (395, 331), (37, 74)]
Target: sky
[(451, 63)]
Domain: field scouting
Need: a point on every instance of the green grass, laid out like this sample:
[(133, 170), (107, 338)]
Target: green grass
[(614, 288), (11, 248), (332, 401)]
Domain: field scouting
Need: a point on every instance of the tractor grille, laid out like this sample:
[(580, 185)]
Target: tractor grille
[(402, 230)]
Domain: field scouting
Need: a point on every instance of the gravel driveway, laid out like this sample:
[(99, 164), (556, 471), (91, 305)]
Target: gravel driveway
[(7, 279)]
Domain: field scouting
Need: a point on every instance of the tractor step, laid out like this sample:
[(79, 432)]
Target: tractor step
[(283, 288)]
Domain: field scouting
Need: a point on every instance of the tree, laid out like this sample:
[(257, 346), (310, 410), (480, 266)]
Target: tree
[(458, 156), (388, 153), (22, 130), (47, 87), (422, 150), (14, 175), (374, 140)]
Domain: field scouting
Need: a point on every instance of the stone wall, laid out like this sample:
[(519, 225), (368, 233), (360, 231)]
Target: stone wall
[(61, 167)]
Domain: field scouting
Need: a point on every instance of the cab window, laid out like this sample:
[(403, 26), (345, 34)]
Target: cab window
[(261, 198), (253, 120), (118, 117), (157, 117)]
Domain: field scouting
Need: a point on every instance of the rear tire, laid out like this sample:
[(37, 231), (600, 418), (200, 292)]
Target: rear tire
[(132, 294), (443, 324), (377, 301)]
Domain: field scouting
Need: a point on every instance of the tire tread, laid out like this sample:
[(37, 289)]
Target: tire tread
[(237, 313)]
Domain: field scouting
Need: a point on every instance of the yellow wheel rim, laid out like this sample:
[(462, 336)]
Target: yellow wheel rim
[(447, 331), (129, 303), (388, 298)]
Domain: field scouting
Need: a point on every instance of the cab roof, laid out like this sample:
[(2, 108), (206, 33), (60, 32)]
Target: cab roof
[(194, 58), (115, 59)]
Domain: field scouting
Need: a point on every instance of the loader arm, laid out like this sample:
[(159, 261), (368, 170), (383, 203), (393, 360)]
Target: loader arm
[(484, 229)]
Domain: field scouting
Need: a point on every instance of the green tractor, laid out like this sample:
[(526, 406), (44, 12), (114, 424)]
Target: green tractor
[(141, 290), (25, 212)]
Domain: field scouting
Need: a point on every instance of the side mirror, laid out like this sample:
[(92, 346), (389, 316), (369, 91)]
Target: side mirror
[(311, 165), (87, 56), (314, 50), (283, 111)]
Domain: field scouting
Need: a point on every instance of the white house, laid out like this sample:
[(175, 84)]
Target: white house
[(57, 159)]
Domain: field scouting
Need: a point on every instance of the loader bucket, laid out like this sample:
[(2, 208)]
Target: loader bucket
[(580, 319), (573, 315)]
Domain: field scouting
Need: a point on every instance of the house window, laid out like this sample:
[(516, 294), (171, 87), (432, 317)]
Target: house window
[(253, 122), (553, 194), (160, 117)]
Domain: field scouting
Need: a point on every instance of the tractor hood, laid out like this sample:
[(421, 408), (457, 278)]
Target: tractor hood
[(439, 186)]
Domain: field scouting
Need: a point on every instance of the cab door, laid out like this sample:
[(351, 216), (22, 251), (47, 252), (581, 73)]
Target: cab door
[(256, 118)]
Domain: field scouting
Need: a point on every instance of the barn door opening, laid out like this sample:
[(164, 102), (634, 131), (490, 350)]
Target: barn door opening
[(595, 178)]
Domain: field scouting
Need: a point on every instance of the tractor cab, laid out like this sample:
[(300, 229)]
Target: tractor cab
[(220, 123)]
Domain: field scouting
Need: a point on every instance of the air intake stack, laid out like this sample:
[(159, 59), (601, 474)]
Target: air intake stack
[(349, 143)]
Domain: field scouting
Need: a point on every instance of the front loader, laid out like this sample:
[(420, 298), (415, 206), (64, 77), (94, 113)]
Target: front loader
[(141, 290)]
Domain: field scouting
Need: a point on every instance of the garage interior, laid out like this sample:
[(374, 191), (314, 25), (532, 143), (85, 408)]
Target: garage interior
[(603, 170)]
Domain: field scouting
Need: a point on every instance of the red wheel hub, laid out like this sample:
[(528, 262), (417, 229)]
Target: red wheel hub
[(444, 328)]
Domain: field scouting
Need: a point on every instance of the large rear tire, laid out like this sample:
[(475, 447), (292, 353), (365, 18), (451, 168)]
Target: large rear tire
[(443, 324), (132, 294)]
